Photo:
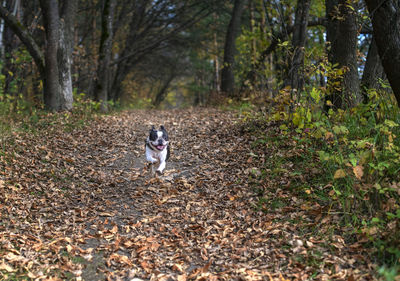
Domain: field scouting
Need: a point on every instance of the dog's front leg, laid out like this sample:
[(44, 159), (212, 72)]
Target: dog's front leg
[(161, 167), (151, 159)]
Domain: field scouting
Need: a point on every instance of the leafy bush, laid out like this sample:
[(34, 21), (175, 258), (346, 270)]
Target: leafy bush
[(358, 154)]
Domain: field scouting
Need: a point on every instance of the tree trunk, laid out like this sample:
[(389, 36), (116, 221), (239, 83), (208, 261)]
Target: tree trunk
[(217, 78), (52, 87), (65, 52), (162, 93), (343, 52), (296, 63), (227, 75), (105, 50), (119, 76), (385, 16), (373, 70), (58, 52), (217, 82), (331, 23), (10, 43)]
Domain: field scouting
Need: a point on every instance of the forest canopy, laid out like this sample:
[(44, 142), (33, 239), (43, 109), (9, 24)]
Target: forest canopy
[(180, 53)]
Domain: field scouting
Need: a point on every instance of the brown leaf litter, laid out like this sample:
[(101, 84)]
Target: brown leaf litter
[(81, 205)]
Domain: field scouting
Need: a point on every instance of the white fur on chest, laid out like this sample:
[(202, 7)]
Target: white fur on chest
[(155, 156)]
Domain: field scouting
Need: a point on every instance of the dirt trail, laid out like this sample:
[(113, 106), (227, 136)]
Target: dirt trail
[(185, 223), (98, 214)]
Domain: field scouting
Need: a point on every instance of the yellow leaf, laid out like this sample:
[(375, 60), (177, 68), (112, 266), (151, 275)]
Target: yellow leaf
[(276, 116), (106, 214), (6, 267), (317, 134), (178, 267), (358, 171), (114, 229), (69, 248), (339, 174)]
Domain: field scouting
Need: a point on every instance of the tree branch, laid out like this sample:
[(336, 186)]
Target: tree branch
[(26, 38)]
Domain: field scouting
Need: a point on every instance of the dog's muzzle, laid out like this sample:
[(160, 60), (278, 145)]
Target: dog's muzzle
[(160, 147)]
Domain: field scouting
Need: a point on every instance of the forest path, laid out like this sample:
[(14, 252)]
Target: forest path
[(192, 221), (82, 206)]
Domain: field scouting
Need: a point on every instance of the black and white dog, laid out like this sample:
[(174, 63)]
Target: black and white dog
[(157, 147)]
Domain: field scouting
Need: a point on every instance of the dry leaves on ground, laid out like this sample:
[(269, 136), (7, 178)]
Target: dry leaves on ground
[(81, 205)]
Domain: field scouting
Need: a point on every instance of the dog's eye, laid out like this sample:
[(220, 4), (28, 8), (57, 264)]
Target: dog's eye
[(153, 135)]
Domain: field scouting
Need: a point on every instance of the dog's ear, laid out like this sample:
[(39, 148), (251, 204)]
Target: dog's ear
[(153, 133), (164, 132)]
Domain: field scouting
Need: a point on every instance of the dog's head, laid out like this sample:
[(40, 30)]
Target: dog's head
[(158, 138)]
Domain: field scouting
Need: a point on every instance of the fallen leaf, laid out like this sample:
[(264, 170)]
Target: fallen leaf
[(114, 229), (182, 277), (339, 174), (358, 171), (6, 267)]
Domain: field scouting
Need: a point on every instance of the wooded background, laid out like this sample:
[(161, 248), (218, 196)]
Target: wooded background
[(190, 52)]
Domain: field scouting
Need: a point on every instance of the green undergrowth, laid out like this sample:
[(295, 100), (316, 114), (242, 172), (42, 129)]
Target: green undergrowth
[(20, 117), (16, 114), (347, 161)]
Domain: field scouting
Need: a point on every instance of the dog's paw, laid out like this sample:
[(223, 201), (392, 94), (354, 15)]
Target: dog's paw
[(159, 173)]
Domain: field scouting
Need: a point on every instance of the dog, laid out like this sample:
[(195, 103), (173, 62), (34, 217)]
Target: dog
[(157, 148)]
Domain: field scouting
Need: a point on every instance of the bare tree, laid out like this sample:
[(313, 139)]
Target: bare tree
[(151, 26)]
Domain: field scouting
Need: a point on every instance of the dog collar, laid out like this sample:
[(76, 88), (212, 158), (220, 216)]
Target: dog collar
[(150, 145)]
